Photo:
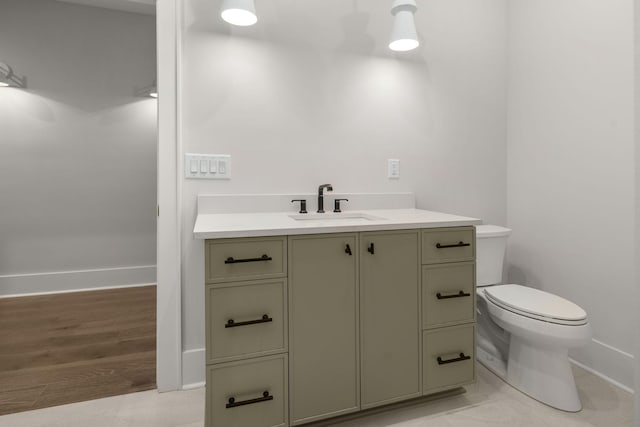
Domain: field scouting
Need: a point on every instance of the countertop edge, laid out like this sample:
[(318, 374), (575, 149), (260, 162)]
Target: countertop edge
[(351, 228)]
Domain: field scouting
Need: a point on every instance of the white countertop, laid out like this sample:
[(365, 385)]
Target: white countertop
[(223, 225)]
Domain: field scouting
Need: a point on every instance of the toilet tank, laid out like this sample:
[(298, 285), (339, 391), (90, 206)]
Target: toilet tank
[(491, 245)]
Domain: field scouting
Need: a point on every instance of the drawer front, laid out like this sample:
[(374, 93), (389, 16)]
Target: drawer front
[(448, 244), (247, 393), (455, 346), (246, 319), (448, 294), (245, 259)]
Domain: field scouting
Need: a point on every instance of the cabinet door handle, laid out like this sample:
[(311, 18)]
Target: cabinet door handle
[(233, 404), (457, 359), (455, 245), (371, 249), (347, 250), (458, 295), (232, 324), (231, 260)]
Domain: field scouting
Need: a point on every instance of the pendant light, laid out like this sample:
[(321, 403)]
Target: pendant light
[(404, 36), (8, 78), (239, 12)]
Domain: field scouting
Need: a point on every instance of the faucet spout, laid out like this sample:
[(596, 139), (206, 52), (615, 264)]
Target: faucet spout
[(321, 189)]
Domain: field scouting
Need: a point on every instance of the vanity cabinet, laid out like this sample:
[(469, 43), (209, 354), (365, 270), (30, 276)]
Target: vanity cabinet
[(308, 327)]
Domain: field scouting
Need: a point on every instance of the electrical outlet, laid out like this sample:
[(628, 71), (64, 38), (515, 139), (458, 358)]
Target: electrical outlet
[(393, 168)]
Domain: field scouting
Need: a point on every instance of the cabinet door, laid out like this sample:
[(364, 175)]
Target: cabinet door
[(389, 313), (323, 332)]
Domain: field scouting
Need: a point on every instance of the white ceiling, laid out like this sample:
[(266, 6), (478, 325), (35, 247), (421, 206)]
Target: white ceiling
[(147, 7)]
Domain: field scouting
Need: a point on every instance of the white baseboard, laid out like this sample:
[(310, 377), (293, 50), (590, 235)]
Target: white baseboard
[(598, 374), (194, 386), (79, 280), (193, 368), (607, 362)]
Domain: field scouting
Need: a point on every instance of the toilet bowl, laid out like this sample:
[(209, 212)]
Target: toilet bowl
[(524, 334)]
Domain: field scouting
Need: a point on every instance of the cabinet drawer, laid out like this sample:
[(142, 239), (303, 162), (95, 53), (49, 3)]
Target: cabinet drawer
[(248, 393), (448, 357), (246, 319), (448, 244), (245, 259), (448, 294)]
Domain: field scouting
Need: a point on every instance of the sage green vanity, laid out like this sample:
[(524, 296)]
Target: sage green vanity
[(302, 328)]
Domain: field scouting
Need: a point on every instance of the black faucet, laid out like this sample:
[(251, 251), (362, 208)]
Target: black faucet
[(321, 196)]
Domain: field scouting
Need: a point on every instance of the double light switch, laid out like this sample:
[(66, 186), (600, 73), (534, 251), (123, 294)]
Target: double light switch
[(207, 166)]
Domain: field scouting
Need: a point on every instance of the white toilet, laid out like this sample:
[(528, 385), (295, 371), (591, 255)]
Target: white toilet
[(524, 334)]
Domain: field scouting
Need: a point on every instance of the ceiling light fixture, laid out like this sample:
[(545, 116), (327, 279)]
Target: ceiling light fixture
[(404, 36), (239, 12), (8, 78)]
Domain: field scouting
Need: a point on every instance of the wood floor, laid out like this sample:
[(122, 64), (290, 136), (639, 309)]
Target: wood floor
[(63, 348)]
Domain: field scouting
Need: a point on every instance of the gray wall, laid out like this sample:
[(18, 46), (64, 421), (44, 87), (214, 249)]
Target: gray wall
[(311, 94), (77, 148), (571, 191)]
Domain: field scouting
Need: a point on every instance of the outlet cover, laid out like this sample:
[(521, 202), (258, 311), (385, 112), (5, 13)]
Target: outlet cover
[(393, 168)]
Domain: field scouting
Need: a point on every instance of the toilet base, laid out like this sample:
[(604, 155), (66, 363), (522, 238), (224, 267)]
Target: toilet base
[(492, 363), (542, 373)]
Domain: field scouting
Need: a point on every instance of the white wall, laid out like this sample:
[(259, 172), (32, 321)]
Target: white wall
[(570, 180), (77, 148), (311, 94)]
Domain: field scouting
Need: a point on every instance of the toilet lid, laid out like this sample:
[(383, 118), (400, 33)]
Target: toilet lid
[(536, 303)]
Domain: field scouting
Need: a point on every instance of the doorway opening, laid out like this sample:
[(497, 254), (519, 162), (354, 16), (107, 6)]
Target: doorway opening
[(78, 179)]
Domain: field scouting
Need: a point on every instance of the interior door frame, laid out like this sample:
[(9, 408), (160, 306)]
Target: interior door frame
[(169, 220)]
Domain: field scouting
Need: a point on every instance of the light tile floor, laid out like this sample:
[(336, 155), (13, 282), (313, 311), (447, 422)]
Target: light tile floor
[(489, 402)]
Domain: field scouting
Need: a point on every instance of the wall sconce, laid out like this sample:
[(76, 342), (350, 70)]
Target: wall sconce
[(404, 36), (8, 78), (239, 12), (149, 91)]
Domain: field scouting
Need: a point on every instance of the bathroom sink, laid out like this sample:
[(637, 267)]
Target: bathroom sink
[(331, 217)]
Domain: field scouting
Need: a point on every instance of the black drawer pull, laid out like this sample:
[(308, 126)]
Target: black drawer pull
[(264, 257), (232, 400), (231, 324), (458, 295), (457, 359), (371, 249), (347, 250), (457, 245)]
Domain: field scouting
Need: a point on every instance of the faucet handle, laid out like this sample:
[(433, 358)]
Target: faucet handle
[(336, 204), (303, 205)]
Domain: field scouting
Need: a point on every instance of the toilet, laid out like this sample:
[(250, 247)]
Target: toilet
[(524, 334)]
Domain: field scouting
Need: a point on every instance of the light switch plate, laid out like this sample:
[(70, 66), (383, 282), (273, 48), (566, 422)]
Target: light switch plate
[(207, 166), (393, 168)]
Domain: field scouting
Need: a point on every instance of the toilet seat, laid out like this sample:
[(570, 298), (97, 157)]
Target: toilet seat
[(536, 304)]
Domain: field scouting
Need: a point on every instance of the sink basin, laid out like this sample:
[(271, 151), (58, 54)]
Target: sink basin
[(335, 217)]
